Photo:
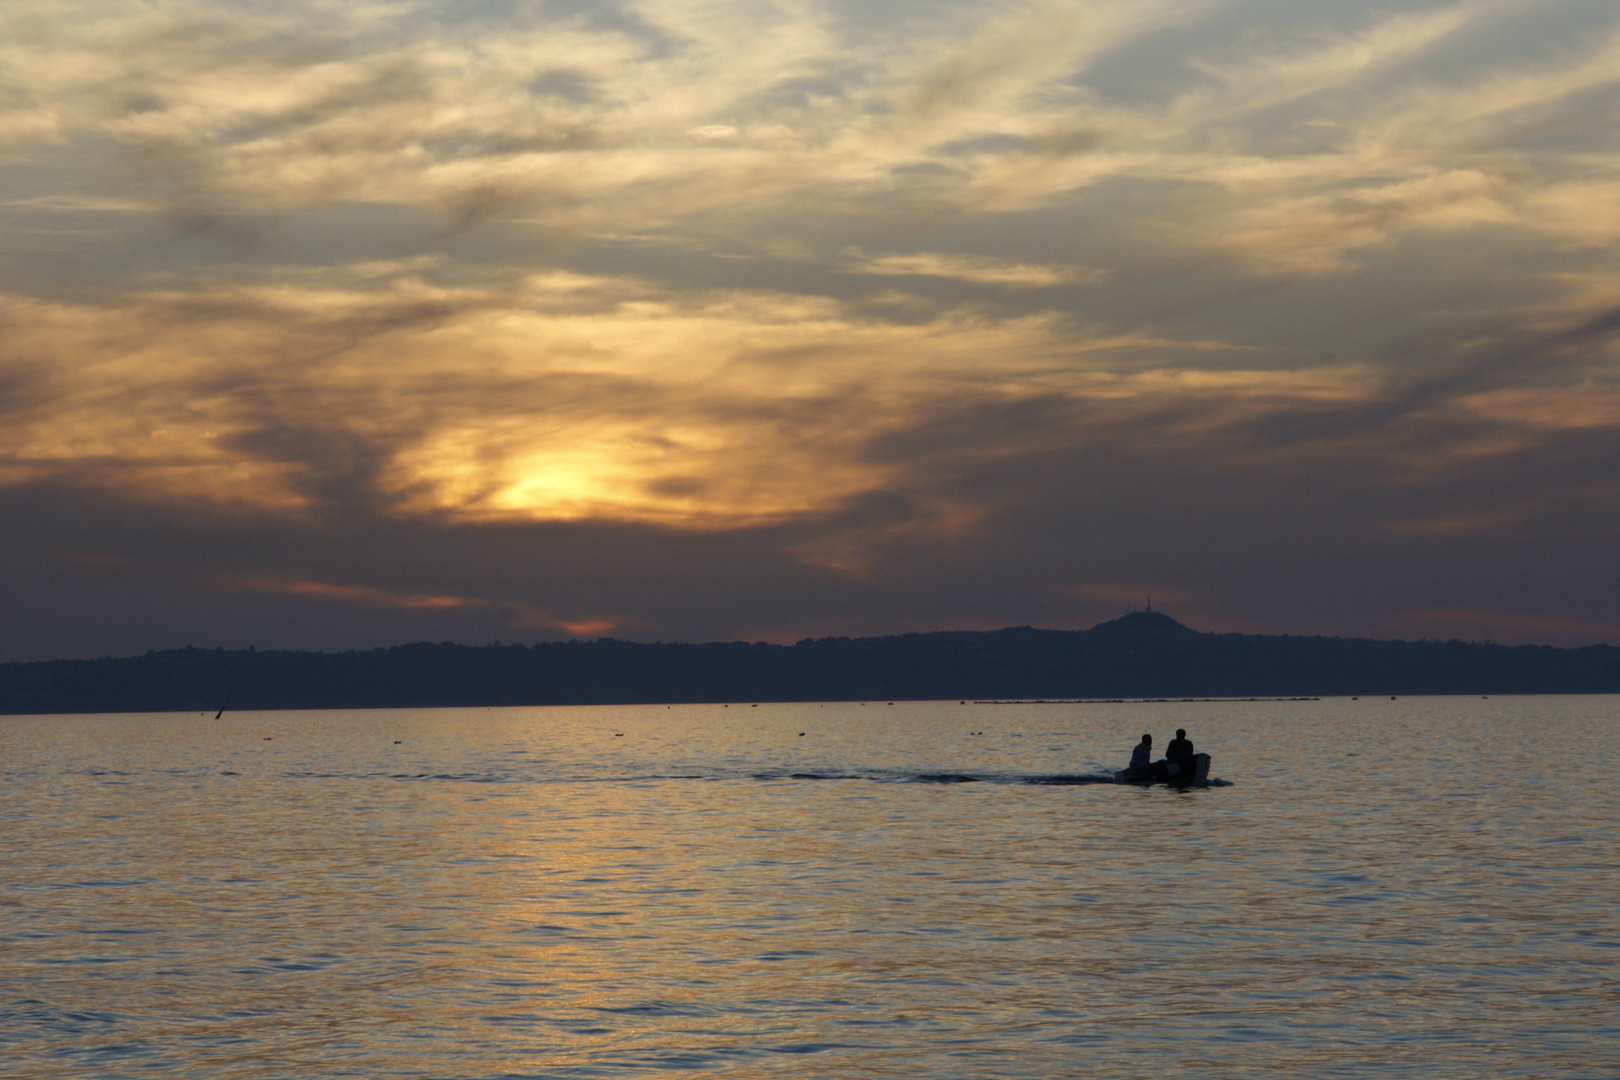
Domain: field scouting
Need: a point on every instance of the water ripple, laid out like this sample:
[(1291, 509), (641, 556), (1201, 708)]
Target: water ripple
[(949, 892)]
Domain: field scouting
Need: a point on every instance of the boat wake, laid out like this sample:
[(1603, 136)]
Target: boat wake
[(878, 776)]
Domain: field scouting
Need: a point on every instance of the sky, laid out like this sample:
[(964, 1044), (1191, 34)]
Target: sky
[(338, 324)]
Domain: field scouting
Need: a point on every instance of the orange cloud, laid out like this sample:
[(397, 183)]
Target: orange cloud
[(520, 615), (564, 398), (354, 593)]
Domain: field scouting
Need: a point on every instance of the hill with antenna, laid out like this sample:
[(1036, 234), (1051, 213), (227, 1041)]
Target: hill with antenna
[(1142, 654), (1143, 626)]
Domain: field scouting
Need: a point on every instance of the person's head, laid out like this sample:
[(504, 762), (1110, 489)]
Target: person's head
[(1181, 733), (1147, 740)]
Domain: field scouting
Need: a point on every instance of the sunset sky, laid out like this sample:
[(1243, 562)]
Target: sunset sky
[(335, 323)]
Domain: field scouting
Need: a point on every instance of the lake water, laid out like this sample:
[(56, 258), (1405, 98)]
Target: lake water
[(1415, 888)]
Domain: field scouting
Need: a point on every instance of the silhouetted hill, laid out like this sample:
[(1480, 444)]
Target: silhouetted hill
[(1144, 654), (1141, 626)]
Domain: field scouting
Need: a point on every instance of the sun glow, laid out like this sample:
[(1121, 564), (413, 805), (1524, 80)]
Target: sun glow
[(864, 286)]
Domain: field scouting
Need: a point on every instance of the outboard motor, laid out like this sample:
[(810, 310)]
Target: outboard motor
[(1201, 770)]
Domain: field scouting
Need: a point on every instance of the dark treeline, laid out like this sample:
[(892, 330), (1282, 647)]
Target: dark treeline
[(1141, 655)]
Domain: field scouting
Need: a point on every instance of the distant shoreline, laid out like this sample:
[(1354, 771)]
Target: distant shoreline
[(1144, 656)]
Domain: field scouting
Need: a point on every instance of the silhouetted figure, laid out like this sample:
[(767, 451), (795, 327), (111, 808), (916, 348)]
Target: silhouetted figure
[(1143, 754), (1178, 759)]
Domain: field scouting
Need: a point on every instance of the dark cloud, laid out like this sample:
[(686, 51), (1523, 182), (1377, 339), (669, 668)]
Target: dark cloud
[(1066, 508), (340, 325)]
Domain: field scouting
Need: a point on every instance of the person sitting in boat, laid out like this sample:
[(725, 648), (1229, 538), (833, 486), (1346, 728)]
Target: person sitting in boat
[(1143, 754), (1178, 757)]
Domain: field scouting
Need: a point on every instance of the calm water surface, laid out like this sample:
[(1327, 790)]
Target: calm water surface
[(1424, 888)]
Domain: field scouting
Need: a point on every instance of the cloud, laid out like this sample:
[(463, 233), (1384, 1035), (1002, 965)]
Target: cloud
[(559, 397), (217, 111), (768, 317), (976, 269), (522, 616), (360, 594), (569, 397)]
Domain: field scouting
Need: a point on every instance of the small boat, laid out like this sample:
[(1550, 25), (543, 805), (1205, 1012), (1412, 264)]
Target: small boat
[(1174, 773)]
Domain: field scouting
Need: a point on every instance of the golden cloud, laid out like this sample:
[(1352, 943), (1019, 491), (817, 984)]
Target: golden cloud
[(490, 379), (203, 109), (977, 269), (564, 397), (571, 397)]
